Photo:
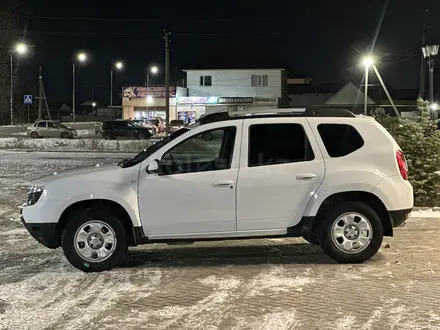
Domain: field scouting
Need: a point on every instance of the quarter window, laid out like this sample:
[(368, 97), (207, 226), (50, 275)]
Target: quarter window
[(340, 139), (272, 144)]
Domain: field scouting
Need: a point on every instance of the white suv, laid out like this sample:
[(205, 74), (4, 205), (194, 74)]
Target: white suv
[(336, 179)]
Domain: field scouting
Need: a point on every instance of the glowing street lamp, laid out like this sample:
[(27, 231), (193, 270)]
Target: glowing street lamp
[(20, 49), (118, 66), (80, 57), (153, 70)]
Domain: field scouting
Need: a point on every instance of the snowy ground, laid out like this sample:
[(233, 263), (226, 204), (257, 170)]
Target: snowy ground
[(268, 284)]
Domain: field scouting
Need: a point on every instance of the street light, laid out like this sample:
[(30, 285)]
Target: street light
[(367, 62), (80, 57), (153, 70), (434, 106), (20, 49), (118, 66), (430, 51)]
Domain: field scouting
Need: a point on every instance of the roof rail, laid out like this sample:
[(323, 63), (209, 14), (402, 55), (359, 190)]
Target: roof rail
[(241, 113)]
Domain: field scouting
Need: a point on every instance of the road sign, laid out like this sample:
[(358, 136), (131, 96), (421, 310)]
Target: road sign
[(28, 99)]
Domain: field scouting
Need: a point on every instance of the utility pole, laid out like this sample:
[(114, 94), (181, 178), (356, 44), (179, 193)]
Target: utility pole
[(73, 92), (42, 96), (422, 64), (167, 80), (40, 92), (11, 101)]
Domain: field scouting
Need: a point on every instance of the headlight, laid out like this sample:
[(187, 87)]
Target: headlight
[(34, 194)]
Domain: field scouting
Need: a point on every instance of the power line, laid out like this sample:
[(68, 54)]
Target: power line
[(118, 19), (404, 60)]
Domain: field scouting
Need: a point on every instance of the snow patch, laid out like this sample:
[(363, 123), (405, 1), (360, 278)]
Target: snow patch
[(277, 279), (426, 213), (344, 323), (277, 319), (18, 143)]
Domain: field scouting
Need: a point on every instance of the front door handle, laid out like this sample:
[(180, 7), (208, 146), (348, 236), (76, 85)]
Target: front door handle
[(305, 176), (223, 183)]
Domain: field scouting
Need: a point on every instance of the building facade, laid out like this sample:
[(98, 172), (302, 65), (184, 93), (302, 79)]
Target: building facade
[(215, 89), (149, 102)]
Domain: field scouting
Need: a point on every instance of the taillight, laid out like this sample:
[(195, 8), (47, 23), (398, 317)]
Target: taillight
[(401, 162)]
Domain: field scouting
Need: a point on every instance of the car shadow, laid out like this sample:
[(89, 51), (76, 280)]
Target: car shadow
[(195, 256)]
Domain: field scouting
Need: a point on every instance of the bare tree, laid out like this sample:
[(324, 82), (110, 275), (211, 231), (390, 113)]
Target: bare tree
[(9, 33)]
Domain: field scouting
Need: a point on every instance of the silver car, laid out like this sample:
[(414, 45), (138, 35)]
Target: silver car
[(51, 128)]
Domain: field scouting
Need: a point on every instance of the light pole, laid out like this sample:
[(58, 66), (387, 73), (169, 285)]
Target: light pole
[(81, 57), (118, 66), (367, 62), (430, 51), (153, 70), (19, 49)]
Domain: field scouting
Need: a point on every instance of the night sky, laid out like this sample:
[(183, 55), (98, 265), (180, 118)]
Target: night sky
[(319, 38)]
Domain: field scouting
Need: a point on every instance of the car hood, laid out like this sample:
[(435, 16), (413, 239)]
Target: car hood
[(72, 174)]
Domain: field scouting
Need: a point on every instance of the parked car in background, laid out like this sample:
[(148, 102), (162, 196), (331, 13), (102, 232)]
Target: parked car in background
[(113, 129), (176, 125), (51, 128), (98, 128)]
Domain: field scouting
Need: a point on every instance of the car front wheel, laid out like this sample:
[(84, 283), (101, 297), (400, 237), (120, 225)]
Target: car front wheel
[(351, 232), (94, 240)]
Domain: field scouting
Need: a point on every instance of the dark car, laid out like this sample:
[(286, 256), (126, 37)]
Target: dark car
[(125, 129)]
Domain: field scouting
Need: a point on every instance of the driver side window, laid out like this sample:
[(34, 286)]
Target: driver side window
[(207, 151)]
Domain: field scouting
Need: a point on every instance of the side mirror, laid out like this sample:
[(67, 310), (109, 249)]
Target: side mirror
[(153, 167)]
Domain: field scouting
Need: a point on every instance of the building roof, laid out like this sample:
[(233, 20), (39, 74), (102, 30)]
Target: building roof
[(350, 94)]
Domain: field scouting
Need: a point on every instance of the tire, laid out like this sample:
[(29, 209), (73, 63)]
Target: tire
[(140, 136), (359, 215), (35, 135), (312, 239), (106, 226), (65, 135)]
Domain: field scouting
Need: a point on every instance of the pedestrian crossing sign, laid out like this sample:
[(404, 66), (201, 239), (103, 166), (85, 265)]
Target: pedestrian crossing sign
[(28, 99)]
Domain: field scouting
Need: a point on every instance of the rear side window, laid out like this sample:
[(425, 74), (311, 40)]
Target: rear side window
[(41, 124), (340, 139), (272, 144)]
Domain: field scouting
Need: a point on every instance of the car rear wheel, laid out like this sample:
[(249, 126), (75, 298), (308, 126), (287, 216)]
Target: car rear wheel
[(94, 240), (351, 232), (140, 136), (35, 135), (65, 135)]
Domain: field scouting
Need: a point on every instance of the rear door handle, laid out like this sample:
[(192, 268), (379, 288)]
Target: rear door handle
[(223, 183), (305, 176)]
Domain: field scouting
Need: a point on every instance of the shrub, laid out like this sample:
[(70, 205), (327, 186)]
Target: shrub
[(420, 141)]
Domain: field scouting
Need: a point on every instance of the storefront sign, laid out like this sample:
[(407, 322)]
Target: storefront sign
[(143, 92), (265, 100), (235, 100), (197, 100)]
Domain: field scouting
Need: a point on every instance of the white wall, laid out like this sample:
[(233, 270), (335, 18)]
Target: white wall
[(234, 83)]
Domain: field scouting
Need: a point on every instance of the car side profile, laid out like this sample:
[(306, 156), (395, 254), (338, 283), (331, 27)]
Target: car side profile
[(336, 179), (124, 129), (50, 128)]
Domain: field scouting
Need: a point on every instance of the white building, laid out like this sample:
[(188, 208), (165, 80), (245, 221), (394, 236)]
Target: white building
[(210, 89)]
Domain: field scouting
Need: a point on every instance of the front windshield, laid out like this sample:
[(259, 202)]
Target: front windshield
[(140, 157)]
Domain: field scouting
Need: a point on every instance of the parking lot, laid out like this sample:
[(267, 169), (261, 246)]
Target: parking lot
[(254, 284)]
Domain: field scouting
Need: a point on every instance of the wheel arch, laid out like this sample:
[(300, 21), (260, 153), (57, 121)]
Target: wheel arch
[(368, 198), (116, 208)]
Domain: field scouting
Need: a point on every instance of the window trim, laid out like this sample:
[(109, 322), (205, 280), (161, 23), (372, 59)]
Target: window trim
[(324, 145), (312, 156), (233, 129), (259, 80), (202, 81)]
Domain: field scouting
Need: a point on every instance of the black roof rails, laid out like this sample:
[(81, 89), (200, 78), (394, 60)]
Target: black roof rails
[(309, 112)]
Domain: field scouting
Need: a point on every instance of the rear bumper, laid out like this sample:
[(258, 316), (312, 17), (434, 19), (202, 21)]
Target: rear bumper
[(44, 233), (398, 217)]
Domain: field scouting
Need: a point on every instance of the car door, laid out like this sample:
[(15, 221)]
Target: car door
[(51, 130), (194, 191), (281, 167), (41, 129)]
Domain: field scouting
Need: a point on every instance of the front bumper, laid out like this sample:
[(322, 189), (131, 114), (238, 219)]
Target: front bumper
[(398, 217), (44, 233)]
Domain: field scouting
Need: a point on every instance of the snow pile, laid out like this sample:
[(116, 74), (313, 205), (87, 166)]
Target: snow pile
[(74, 144), (425, 212)]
